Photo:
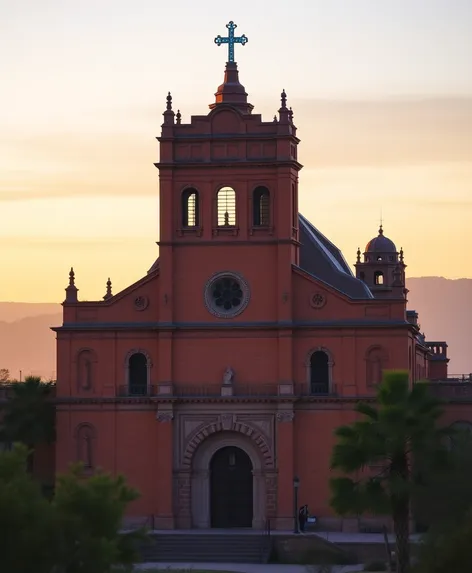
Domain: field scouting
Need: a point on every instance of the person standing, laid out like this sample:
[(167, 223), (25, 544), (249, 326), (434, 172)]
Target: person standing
[(303, 517)]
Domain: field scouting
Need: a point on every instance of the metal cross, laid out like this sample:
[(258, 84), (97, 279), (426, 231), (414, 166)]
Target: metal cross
[(231, 40)]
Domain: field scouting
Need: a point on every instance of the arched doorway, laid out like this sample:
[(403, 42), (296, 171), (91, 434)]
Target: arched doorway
[(231, 488)]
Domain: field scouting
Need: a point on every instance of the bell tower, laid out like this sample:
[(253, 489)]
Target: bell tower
[(228, 187), (382, 267)]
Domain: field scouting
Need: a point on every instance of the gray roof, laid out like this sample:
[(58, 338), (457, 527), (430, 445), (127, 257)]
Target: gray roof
[(324, 261)]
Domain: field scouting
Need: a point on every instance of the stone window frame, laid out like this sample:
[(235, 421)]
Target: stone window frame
[(149, 366), (379, 278), (225, 229), (208, 299), (254, 226), (184, 197), (331, 364)]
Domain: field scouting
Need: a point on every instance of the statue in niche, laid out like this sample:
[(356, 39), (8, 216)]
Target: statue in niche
[(85, 448), (228, 376)]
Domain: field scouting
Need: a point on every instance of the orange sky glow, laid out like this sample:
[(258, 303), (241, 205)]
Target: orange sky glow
[(385, 127)]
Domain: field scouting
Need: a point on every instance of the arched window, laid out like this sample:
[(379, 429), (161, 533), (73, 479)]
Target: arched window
[(226, 207), (85, 436), (376, 361), (190, 208), (378, 278), (320, 373), (138, 374), (86, 369), (261, 207)]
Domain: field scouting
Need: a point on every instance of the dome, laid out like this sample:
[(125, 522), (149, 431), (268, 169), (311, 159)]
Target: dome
[(380, 244)]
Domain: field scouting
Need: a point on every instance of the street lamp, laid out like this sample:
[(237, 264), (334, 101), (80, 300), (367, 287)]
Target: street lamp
[(296, 485)]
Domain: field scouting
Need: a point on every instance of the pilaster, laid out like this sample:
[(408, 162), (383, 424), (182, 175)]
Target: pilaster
[(285, 466), (164, 478)]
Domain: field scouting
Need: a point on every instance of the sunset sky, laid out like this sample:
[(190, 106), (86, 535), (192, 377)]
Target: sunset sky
[(381, 92)]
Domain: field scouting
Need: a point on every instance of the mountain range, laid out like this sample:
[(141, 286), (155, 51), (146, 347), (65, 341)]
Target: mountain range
[(444, 305)]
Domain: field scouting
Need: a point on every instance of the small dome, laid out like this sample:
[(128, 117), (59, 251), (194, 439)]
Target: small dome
[(380, 244)]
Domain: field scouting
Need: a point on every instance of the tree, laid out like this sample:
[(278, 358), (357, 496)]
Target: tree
[(89, 513), (29, 415), (379, 448), (26, 519), (78, 532), (448, 550), (4, 375), (446, 496)]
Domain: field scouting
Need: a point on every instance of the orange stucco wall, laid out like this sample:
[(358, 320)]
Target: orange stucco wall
[(155, 439)]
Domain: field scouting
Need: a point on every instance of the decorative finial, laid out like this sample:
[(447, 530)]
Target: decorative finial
[(381, 231), (231, 39), (290, 114), (178, 117), (401, 254), (169, 102), (71, 290), (108, 293), (358, 254), (283, 99), (275, 119)]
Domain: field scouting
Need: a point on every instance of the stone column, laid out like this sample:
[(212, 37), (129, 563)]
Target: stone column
[(285, 467), (200, 496), (164, 479), (182, 501)]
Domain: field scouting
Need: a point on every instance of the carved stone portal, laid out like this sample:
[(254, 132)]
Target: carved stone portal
[(198, 438), (200, 479)]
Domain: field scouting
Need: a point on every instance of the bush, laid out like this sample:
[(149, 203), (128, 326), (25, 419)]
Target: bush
[(77, 532)]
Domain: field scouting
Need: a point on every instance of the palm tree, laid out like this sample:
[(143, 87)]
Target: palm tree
[(29, 414), (378, 450)]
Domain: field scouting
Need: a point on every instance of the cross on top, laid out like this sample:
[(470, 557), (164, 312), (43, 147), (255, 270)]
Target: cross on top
[(231, 40)]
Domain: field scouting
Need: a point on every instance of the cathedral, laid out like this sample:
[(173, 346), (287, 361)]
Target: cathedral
[(215, 382)]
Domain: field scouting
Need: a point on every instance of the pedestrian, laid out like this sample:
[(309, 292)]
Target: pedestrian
[(303, 516)]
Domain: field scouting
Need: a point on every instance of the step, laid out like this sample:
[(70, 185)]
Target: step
[(212, 548)]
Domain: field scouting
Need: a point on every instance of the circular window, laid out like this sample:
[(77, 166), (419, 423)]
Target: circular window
[(226, 295), (317, 300)]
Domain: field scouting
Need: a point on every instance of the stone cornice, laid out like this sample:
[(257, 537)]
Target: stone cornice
[(150, 400), (150, 326)]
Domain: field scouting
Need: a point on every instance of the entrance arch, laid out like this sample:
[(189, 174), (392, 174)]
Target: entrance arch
[(201, 470), (231, 485)]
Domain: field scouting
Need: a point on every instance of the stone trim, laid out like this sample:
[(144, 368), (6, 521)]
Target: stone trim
[(193, 498), (228, 425), (285, 416)]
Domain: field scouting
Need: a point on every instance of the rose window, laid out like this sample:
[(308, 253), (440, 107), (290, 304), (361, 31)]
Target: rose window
[(226, 295)]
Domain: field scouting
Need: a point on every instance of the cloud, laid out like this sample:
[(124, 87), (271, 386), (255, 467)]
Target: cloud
[(335, 134), (385, 133)]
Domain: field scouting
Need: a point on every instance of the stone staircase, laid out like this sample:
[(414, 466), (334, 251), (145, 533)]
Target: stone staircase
[(205, 548)]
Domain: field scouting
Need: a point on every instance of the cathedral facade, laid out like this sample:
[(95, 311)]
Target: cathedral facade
[(214, 383)]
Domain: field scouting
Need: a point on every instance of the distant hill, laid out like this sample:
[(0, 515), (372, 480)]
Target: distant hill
[(29, 345), (445, 309), (444, 306)]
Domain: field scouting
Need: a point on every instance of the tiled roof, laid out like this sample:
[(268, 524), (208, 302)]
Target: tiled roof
[(324, 261)]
